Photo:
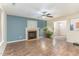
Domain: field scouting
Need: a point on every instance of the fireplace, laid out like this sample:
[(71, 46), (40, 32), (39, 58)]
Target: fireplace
[(32, 35)]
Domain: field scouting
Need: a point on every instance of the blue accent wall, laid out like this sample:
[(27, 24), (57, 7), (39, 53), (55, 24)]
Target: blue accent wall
[(41, 25), (16, 27)]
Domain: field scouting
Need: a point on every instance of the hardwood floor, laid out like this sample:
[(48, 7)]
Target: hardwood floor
[(41, 47)]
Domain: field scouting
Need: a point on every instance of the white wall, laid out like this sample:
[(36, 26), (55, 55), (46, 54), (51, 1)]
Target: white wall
[(50, 25), (4, 26), (4, 31), (0, 28), (72, 36)]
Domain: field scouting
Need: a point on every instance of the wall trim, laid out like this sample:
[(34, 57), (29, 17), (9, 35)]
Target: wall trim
[(16, 41)]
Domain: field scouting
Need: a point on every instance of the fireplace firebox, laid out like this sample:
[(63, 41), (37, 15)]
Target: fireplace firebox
[(32, 35)]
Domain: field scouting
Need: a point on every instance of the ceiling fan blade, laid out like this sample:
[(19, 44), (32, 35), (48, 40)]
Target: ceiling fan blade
[(50, 16)]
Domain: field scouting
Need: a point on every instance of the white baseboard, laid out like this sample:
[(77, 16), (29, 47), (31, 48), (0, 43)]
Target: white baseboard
[(21, 40), (16, 41), (2, 48)]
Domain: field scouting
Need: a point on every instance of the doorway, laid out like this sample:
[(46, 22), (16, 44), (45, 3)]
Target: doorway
[(60, 28)]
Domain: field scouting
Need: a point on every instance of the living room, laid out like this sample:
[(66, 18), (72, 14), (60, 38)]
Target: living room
[(39, 29)]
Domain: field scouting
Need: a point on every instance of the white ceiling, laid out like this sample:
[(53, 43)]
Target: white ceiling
[(33, 10)]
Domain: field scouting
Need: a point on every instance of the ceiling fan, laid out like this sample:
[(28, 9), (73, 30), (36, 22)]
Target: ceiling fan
[(13, 4), (46, 14)]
